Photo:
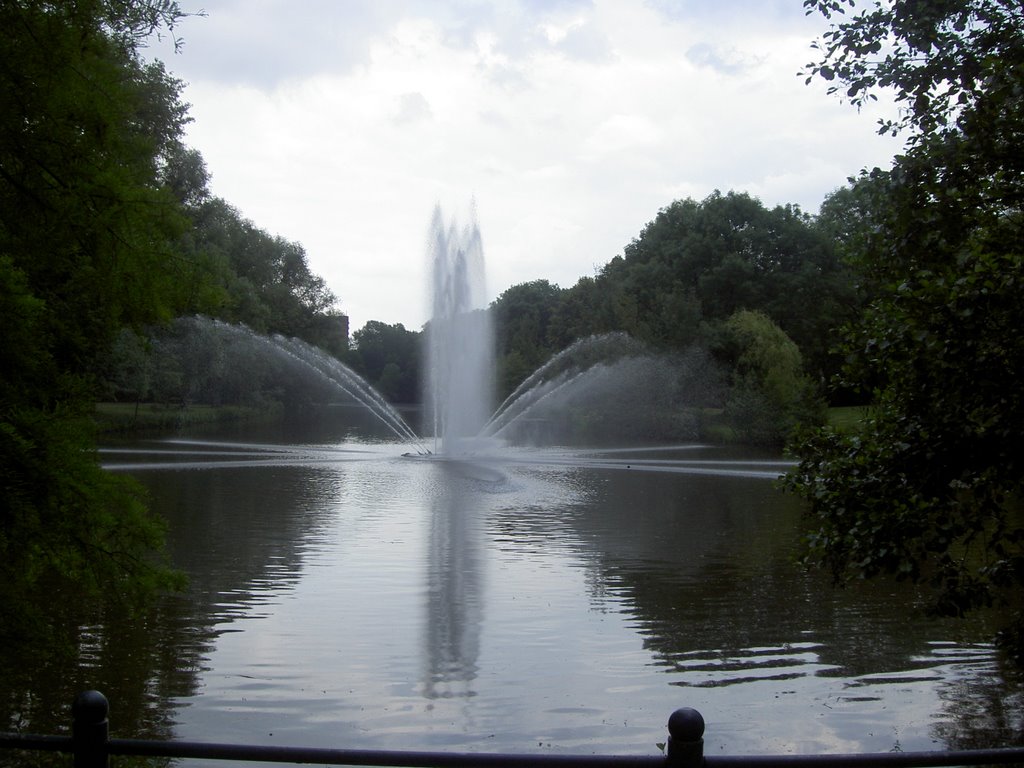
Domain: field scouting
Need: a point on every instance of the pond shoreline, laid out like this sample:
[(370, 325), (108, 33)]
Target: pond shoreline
[(131, 419)]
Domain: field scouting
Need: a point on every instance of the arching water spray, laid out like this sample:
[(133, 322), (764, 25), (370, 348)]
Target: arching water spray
[(528, 400), (339, 374), (306, 359), (571, 361)]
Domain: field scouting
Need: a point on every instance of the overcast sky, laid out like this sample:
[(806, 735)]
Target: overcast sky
[(340, 124)]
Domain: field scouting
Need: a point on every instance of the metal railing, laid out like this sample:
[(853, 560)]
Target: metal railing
[(91, 747)]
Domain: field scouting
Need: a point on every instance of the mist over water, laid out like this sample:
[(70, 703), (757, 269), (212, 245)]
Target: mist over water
[(230, 363)]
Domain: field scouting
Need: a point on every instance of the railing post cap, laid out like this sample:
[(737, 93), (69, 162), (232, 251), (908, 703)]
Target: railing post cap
[(686, 725), (90, 707)]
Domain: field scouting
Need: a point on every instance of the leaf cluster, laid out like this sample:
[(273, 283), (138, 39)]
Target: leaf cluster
[(930, 487), (695, 265), (938, 59)]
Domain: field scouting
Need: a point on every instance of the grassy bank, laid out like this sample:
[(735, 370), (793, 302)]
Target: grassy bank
[(131, 418), (847, 418), (715, 429)]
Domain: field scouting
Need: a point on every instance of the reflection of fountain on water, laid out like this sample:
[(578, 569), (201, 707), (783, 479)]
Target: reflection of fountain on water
[(454, 608)]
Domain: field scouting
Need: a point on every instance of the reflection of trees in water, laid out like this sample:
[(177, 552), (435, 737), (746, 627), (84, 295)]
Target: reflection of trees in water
[(708, 568), (454, 591), (140, 659), (709, 563), (236, 534), (985, 710)]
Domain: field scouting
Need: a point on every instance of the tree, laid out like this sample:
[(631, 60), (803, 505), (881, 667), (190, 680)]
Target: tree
[(257, 279), (86, 234), (582, 311), (703, 261), (523, 326), (930, 488), (388, 356), (770, 395)]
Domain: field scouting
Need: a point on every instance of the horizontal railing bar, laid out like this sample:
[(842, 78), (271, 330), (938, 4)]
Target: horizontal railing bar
[(404, 759), (936, 759), (417, 759), (396, 758)]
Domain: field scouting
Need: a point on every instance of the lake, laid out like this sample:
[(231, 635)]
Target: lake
[(555, 600)]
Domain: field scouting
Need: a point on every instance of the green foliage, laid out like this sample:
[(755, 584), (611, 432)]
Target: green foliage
[(86, 233), (90, 527), (524, 322), (67, 524), (770, 395), (241, 275), (388, 356), (700, 262), (83, 131), (689, 270), (934, 475), (941, 60), (929, 488), (245, 275)]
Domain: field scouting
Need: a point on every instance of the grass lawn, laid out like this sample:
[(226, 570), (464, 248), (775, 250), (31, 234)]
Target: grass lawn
[(848, 417), (155, 417)]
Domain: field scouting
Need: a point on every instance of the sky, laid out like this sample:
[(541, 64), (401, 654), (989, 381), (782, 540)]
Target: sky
[(565, 124)]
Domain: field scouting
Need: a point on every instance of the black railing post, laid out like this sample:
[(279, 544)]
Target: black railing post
[(685, 739), (90, 729)]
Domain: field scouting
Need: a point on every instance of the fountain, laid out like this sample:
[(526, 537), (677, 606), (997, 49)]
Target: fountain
[(602, 388), (608, 381), (460, 347), (321, 576)]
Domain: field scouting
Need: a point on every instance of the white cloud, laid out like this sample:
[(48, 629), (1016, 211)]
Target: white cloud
[(571, 124), (727, 60), (413, 107)]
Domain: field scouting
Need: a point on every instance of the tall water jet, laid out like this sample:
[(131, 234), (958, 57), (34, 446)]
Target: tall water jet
[(460, 341)]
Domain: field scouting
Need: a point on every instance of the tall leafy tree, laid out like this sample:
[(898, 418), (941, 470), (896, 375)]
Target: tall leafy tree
[(250, 277), (86, 228), (389, 357), (582, 311), (524, 317), (702, 261), (930, 488)]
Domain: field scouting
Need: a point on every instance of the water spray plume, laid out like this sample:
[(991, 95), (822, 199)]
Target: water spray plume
[(460, 346)]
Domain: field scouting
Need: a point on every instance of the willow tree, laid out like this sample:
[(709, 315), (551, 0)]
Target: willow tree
[(770, 394)]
